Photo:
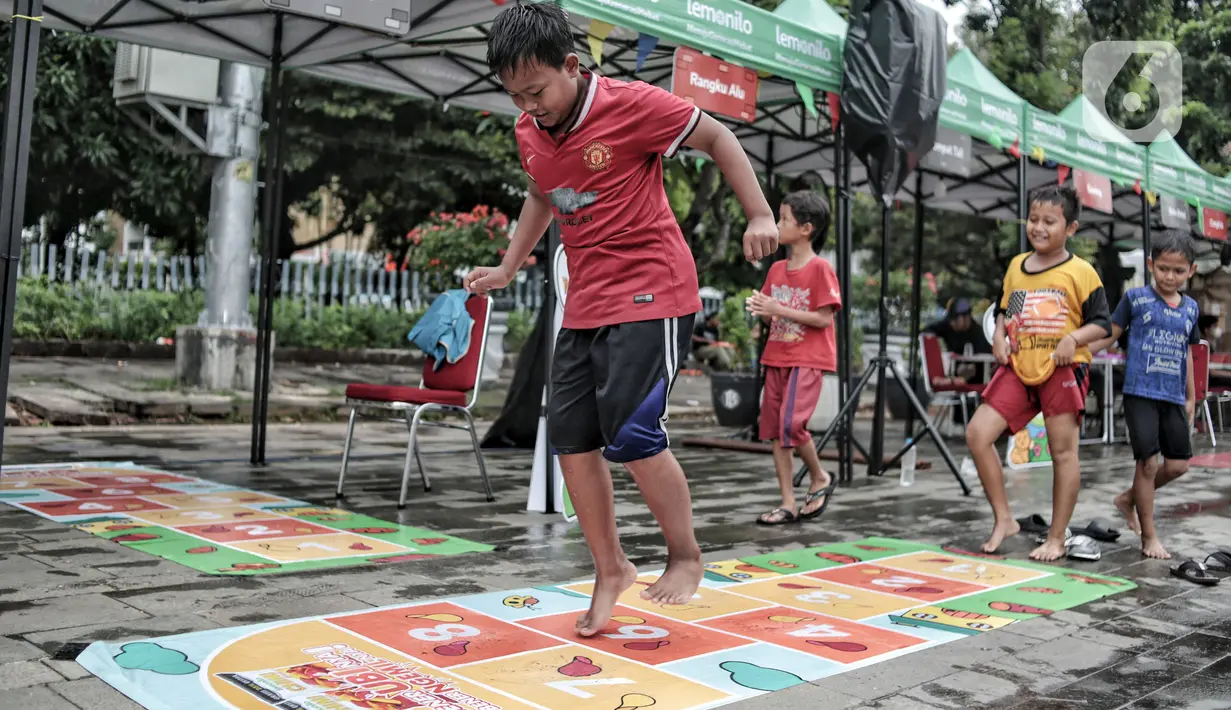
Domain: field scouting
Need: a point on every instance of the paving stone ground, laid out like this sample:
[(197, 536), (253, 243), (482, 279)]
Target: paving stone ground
[(1166, 644)]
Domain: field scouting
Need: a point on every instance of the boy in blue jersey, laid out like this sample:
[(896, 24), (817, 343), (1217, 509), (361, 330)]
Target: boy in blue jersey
[(1159, 392)]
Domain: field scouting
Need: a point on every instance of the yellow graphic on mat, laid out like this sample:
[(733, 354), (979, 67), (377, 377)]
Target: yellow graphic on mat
[(705, 604), (582, 678), (318, 665), (942, 564), (319, 547), (738, 571), (822, 597), (224, 514), (215, 499)]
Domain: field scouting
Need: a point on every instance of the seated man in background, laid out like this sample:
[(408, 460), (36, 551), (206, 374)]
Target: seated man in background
[(958, 331), (707, 349)]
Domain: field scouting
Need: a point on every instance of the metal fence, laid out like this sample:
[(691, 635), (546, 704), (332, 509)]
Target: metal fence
[(351, 279)]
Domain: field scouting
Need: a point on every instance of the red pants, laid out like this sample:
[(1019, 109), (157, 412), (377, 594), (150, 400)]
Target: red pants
[(1063, 393), (788, 401)]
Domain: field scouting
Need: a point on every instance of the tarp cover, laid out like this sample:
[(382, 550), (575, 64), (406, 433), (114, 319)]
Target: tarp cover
[(892, 87)]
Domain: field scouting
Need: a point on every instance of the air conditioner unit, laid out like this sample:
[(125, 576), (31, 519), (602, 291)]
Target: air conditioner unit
[(173, 77)]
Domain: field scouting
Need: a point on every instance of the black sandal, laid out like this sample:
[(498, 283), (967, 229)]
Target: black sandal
[(1221, 562), (1194, 572), (788, 516), (827, 491)]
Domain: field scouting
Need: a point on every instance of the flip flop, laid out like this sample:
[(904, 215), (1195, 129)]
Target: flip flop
[(1194, 572), (1082, 547), (1033, 524), (788, 516), (1100, 530), (827, 491), (1221, 564)]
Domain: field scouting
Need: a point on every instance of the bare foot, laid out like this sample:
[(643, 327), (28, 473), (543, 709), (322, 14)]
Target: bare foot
[(1124, 504), (999, 533), (678, 583), (607, 591), (1048, 551), (1151, 547)]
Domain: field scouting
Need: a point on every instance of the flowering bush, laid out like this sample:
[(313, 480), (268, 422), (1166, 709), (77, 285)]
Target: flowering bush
[(456, 241)]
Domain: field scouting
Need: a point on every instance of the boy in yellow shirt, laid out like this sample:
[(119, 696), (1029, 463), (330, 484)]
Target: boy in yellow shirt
[(1053, 306)]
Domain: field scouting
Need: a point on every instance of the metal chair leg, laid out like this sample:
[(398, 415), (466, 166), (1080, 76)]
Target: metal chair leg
[(410, 454), (1209, 422), (414, 435), (474, 439), (350, 431)]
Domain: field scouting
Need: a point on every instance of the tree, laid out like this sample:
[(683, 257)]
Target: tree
[(391, 161), (87, 157)]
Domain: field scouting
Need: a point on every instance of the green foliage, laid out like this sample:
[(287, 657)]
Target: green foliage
[(447, 242), (521, 327), (61, 312), (866, 294), (735, 327)]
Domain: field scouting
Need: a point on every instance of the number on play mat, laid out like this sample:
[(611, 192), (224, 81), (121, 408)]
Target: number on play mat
[(819, 631), (199, 514), (444, 632), (318, 546), (96, 506), (117, 492), (257, 530), (897, 581), (821, 597), (573, 687), (639, 632), (132, 479)]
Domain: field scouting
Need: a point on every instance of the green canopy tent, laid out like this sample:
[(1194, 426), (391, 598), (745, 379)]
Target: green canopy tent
[(1173, 174)]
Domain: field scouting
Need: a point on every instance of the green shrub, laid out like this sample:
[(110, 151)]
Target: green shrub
[(521, 327)]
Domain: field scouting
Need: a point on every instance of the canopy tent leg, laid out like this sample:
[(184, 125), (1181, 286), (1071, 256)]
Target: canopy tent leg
[(916, 300), (18, 120), (271, 226)]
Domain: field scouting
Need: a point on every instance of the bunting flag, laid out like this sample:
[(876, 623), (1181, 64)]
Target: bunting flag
[(1137, 186), (1015, 150), (1151, 197), (835, 109), (645, 44), (1039, 154), (1062, 173), (805, 93), (598, 32)]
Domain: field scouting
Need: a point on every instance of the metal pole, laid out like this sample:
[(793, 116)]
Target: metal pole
[(916, 299), (848, 425), (270, 227), (1146, 216), (549, 344), (14, 163), (844, 321), (1023, 208), (232, 204), (876, 452)]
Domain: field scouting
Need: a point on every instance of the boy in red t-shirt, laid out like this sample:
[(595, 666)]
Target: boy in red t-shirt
[(593, 149), (798, 300)]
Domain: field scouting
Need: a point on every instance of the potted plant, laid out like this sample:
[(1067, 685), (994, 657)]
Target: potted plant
[(734, 392)]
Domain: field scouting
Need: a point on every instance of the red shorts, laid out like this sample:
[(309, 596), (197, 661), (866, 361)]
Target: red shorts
[(787, 403), (1063, 393)]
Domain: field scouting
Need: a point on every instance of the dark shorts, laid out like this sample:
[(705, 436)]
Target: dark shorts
[(1063, 393), (1157, 427), (609, 387)]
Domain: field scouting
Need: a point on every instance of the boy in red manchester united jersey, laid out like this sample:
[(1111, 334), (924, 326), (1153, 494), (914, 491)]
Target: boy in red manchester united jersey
[(798, 300), (593, 149)]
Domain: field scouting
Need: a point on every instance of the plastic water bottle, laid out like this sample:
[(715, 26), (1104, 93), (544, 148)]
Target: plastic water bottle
[(908, 464)]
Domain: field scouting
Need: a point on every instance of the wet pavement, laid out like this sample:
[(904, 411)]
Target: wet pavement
[(1166, 644)]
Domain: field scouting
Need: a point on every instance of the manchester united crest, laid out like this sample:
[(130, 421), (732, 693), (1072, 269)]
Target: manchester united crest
[(596, 156)]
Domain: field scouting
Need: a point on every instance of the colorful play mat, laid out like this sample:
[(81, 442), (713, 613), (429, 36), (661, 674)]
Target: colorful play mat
[(211, 527), (757, 625)]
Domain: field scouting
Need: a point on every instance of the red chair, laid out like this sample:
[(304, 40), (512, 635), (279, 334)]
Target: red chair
[(1201, 383), (442, 390), (949, 394)]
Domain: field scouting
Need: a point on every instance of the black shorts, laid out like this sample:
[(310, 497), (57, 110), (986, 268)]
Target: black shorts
[(1156, 426), (609, 387)]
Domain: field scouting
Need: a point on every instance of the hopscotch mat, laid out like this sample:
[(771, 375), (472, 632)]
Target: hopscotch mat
[(212, 527), (757, 625)]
